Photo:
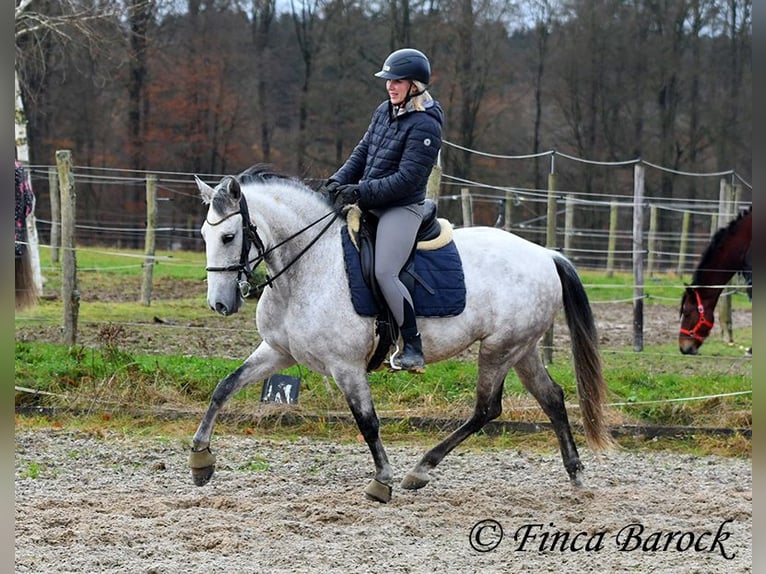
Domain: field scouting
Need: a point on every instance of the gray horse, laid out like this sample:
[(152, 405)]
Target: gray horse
[(513, 290)]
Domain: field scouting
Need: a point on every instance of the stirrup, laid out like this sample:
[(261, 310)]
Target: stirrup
[(392, 365), (415, 368)]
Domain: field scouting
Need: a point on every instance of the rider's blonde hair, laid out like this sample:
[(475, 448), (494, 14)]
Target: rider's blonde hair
[(418, 102)]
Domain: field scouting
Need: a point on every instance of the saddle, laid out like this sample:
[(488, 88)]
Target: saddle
[(433, 274)]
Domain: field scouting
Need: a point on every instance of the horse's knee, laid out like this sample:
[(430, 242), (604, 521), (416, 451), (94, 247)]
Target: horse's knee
[(226, 387)]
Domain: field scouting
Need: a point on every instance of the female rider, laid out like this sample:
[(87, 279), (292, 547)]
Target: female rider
[(387, 173)]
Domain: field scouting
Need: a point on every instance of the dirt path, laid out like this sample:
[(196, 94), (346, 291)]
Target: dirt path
[(106, 504)]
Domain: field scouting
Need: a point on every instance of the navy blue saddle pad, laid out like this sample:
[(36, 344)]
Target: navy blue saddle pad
[(441, 269)]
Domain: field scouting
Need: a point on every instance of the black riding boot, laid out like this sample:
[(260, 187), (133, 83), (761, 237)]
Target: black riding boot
[(411, 358)]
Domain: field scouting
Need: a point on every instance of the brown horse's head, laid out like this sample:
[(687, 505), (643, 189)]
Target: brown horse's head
[(697, 306)]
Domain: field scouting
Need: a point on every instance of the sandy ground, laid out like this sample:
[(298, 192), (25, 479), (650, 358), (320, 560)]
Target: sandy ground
[(107, 504)]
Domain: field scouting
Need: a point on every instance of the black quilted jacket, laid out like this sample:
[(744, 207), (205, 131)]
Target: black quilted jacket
[(393, 160)]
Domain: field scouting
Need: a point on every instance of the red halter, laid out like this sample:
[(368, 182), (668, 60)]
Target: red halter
[(701, 322)]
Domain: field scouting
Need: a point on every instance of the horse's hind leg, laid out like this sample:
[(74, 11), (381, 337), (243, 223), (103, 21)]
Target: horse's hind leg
[(536, 379), (262, 363), (489, 406)]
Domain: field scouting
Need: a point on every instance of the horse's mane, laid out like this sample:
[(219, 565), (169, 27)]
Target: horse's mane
[(718, 239), (261, 172), (264, 173)]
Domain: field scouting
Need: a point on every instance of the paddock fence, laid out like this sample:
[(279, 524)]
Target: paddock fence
[(624, 230)]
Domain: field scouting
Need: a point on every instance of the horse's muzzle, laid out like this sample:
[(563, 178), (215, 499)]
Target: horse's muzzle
[(687, 346)]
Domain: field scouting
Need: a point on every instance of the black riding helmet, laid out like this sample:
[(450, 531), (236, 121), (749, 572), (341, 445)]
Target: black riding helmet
[(406, 64)]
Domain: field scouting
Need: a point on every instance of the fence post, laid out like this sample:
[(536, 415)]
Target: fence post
[(465, 196), (508, 210), (70, 294), (434, 179), (149, 241), (550, 242), (53, 187), (612, 242), (684, 242), (652, 241), (725, 214), (638, 258), (568, 225)]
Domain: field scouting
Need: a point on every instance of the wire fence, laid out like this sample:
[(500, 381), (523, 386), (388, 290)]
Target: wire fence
[(111, 215)]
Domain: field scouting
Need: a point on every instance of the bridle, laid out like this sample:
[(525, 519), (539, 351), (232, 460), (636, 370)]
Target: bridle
[(251, 238), (701, 322)]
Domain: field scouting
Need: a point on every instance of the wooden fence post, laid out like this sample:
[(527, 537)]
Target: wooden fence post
[(149, 241), (612, 243), (638, 258), (507, 218), (53, 187), (550, 242), (70, 294), (725, 214), (465, 196), (434, 179), (684, 242), (652, 242), (568, 225)]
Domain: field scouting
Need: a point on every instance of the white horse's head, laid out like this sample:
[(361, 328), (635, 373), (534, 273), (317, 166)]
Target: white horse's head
[(227, 244)]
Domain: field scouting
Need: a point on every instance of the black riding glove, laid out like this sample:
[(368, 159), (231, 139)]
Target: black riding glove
[(346, 195), (328, 190)]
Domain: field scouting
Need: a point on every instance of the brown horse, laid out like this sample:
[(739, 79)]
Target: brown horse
[(727, 254)]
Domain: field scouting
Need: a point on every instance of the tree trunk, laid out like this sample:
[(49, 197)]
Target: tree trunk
[(22, 154)]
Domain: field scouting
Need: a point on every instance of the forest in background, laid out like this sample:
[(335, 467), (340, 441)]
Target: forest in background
[(213, 86)]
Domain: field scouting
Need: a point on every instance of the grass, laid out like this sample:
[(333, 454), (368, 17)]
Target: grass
[(107, 380)]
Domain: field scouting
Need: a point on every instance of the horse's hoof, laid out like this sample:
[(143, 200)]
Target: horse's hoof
[(202, 463), (202, 476), (415, 480), (576, 479), (378, 491)]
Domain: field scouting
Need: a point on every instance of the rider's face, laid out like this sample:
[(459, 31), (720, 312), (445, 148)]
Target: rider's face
[(397, 90)]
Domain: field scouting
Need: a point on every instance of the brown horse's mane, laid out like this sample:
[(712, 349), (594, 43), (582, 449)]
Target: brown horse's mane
[(720, 237)]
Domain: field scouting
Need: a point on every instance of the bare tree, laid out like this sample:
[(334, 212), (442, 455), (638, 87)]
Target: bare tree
[(140, 15), (309, 31), (543, 15), (478, 35), (400, 24), (36, 32), (263, 12)]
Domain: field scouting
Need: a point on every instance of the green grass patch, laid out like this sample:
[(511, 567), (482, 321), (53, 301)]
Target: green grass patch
[(106, 377)]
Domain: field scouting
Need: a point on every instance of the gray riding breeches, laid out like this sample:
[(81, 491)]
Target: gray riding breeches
[(397, 229)]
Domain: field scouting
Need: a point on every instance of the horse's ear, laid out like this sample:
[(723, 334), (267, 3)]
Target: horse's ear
[(231, 185), (206, 192)]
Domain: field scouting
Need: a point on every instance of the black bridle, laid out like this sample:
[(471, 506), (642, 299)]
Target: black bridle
[(251, 238)]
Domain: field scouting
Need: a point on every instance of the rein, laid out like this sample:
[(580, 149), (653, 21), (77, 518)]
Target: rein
[(250, 237), (701, 322)]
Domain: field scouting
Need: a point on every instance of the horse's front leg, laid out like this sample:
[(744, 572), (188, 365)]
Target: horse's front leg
[(264, 362), (356, 389)]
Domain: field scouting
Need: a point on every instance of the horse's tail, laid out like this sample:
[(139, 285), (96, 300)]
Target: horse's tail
[(26, 288), (591, 387)]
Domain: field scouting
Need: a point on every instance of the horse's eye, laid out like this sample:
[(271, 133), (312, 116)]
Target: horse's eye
[(228, 238)]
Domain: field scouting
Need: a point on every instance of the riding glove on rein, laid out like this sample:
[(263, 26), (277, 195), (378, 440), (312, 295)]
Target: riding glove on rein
[(346, 195)]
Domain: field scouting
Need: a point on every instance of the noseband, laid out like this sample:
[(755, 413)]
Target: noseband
[(701, 322), (250, 237)]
